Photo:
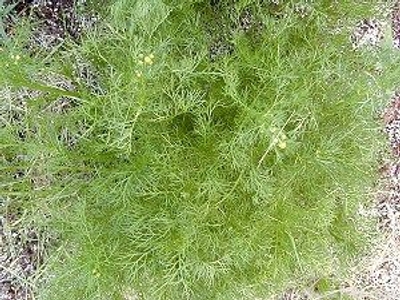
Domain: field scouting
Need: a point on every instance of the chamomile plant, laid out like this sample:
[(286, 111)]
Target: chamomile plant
[(204, 174)]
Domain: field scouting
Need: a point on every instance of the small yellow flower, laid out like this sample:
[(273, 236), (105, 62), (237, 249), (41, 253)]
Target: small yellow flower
[(15, 58), (282, 144), (138, 73), (148, 60), (96, 273)]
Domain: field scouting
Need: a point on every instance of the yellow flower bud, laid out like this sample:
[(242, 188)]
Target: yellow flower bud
[(148, 60), (282, 144)]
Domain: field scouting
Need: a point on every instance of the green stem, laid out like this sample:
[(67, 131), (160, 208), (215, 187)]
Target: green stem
[(48, 89)]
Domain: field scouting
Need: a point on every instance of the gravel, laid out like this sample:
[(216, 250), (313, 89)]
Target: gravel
[(20, 257)]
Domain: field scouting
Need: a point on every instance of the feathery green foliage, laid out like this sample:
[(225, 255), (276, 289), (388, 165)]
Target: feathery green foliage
[(219, 162)]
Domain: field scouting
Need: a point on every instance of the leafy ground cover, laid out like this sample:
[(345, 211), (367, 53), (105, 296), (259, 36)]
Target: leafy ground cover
[(195, 149)]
